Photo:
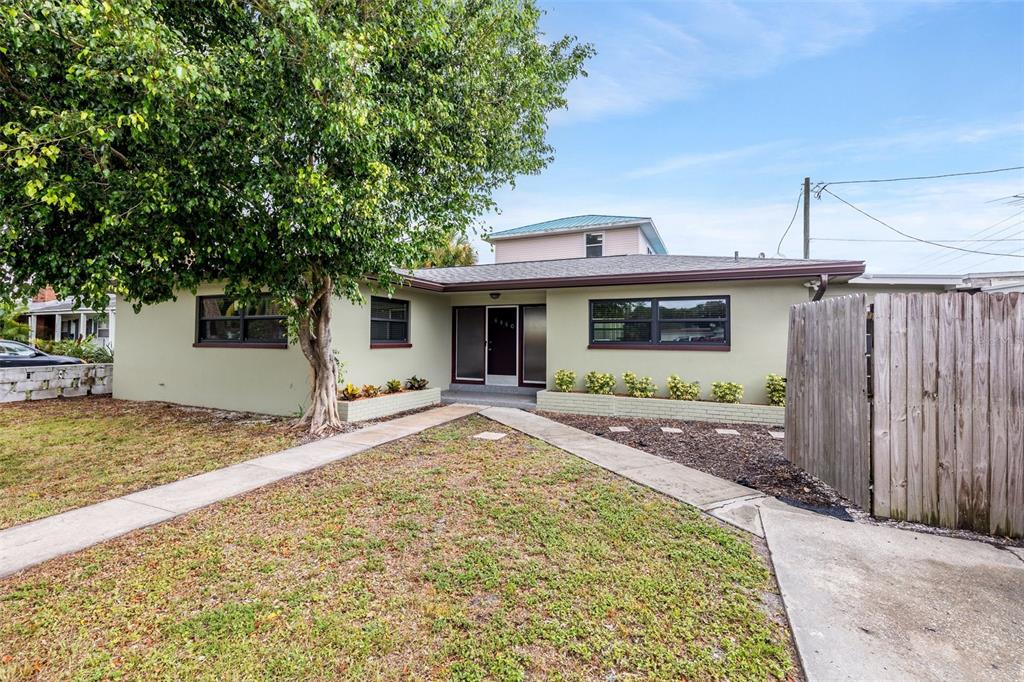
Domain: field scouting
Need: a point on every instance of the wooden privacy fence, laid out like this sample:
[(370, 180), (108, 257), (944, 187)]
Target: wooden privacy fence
[(946, 417)]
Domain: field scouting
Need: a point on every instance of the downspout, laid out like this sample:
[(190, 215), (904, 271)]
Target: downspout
[(822, 288)]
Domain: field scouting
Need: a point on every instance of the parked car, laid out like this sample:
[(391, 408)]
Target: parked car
[(17, 354)]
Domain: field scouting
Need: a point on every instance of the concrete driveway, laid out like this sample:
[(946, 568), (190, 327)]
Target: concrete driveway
[(878, 603)]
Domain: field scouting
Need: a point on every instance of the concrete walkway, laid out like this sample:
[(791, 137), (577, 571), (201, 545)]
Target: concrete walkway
[(32, 543)]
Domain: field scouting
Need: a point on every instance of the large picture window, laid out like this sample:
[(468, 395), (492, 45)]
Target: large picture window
[(389, 321), (691, 322), (224, 322)]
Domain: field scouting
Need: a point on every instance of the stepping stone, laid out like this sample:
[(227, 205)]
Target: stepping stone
[(490, 435), (777, 435), (619, 429), (670, 429), (727, 432)]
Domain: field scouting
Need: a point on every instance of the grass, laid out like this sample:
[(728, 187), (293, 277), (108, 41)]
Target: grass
[(56, 455), (438, 556)]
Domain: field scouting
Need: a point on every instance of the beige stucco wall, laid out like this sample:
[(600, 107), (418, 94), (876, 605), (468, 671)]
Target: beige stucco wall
[(156, 360), (430, 332), (759, 328), (619, 241)]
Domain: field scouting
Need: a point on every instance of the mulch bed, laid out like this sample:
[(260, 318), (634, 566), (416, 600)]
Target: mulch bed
[(753, 458)]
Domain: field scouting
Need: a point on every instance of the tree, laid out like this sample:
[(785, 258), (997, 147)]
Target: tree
[(295, 147), (11, 326), (456, 252)]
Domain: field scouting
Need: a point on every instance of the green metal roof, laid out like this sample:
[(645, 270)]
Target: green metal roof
[(578, 222)]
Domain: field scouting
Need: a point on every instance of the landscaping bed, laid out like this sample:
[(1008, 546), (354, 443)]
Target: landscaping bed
[(753, 458), (437, 556), (57, 455)]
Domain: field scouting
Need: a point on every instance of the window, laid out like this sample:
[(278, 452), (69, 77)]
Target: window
[(13, 349), (595, 245), (661, 322), (389, 321), (223, 322)]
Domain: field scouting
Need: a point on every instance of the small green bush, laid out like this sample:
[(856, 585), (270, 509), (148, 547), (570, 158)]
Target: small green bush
[(86, 349), (600, 383), (393, 386), (726, 392), (682, 390), (565, 380), (639, 387), (414, 383), (350, 392), (776, 387)]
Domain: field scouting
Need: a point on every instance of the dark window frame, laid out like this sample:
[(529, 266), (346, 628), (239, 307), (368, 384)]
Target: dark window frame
[(655, 321), (599, 244), (241, 342), (388, 343)]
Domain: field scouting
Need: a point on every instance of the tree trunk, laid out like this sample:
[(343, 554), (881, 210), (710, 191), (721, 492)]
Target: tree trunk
[(314, 331)]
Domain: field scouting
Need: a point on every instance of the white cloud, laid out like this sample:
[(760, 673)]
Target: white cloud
[(682, 161), (645, 59), (950, 209)]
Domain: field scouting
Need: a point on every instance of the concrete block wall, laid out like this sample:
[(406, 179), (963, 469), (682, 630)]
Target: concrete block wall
[(660, 408), (55, 381), (386, 405)]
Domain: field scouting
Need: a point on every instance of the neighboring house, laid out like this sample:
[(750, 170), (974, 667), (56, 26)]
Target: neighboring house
[(583, 236), (54, 319), (506, 324), (872, 284)]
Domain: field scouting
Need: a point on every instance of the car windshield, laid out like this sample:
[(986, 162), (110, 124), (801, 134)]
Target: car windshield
[(15, 349)]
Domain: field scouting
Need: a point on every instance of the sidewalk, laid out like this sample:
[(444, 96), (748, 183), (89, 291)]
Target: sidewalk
[(32, 543)]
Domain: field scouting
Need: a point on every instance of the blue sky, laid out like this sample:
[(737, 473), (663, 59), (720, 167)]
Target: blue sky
[(706, 116)]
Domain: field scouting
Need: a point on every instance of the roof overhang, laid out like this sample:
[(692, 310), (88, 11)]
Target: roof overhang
[(836, 270)]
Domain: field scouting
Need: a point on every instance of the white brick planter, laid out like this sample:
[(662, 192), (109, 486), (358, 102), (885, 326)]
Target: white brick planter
[(660, 408), (54, 381), (386, 405)]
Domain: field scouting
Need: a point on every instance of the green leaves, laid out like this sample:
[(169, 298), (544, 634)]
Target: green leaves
[(268, 144)]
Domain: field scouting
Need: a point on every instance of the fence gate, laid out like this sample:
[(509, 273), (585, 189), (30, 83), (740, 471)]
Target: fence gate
[(946, 424), (827, 410)]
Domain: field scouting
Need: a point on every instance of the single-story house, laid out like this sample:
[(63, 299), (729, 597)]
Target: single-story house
[(56, 319), (504, 324)]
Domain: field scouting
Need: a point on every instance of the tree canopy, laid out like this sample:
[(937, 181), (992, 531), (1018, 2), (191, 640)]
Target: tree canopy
[(289, 146), (457, 252)]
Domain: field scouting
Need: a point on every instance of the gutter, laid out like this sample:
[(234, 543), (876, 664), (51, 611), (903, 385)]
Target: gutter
[(822, 288)]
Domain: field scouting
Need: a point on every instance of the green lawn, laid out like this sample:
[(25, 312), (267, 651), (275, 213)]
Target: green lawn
[(438, 556), (56, 455)]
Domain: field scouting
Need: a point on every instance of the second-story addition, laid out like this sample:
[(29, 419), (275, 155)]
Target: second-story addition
[(583, 236)]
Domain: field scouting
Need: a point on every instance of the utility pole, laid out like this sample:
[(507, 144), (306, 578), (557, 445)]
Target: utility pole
[(807, 218)]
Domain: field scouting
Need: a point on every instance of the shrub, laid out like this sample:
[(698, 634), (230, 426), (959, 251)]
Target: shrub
[(682, 390), (726, 392), (393, 386), (776, 387), (565, 380), (370, 391), (350, 392), (414, 383), (86, 349), (639, 387), (600, 383)]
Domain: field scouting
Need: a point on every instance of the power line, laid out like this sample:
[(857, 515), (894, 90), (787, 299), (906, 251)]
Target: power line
[(905, 241), (943, 258), (910, 236), (918, 177), (796, 209)]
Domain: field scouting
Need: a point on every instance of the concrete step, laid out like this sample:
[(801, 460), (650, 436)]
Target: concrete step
[(495, 399), (484, 388)]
